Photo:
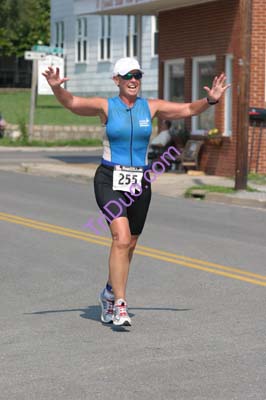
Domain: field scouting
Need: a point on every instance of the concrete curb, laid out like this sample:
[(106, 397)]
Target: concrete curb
[(34, 149), (76, 172), (171, 185), (236, 200), (52, 170)]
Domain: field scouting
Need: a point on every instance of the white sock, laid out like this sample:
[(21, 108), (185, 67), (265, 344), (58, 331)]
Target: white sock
[(108, 295)]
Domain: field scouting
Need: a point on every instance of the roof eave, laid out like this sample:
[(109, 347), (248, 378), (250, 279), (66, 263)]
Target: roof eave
[(144, 7)]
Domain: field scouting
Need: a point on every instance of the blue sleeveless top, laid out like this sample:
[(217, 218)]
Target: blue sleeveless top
[(127, 134)]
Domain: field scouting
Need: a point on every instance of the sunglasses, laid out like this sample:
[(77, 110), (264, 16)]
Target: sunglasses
[(129, 75)]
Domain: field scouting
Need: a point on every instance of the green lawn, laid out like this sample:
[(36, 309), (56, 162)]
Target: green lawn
[(14, 107)]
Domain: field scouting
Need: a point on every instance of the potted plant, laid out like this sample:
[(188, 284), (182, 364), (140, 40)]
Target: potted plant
[(214, 137)]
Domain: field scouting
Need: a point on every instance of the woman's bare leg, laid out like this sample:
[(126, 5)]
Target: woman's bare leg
[(119, 256), (133, 243), (121, 253)]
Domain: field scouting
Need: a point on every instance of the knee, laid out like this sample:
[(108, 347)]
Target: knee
[(122, 242), (132, 245)]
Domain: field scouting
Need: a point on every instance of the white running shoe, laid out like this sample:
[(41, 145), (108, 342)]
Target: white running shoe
[(121, 316), (107, 306)]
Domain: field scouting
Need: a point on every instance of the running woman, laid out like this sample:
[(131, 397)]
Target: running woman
[(128, 121)]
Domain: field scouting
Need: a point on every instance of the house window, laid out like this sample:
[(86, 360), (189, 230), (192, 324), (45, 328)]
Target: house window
[(174, 84), (228, 96), (203, 74), (105, 40), (155, 35), (174, 80), (59, 34), (132, 36), (81, 41)]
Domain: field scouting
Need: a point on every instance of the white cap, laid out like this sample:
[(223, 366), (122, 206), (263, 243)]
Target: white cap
[(125, 65)]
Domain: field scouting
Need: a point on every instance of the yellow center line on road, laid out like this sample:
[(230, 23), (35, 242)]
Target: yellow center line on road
[(204, 263), (206, 269), (57, 231), (107, 241), (45, 224), (189, 262)]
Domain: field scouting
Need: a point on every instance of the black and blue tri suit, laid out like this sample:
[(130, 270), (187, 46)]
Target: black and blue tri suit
[(125, 143)]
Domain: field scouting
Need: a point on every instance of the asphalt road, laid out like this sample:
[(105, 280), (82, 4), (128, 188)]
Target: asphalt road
[(196, 295)]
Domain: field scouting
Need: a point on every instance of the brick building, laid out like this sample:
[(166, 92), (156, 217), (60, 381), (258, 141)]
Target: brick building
[(197, 40)]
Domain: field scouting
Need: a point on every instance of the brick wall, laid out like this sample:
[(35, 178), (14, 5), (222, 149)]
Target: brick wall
[(213, 29)]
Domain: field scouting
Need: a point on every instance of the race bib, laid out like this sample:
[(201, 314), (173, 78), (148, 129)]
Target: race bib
[(127, 178)]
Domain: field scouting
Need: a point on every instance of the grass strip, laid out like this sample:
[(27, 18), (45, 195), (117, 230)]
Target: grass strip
[(259, 179), (214, 189)]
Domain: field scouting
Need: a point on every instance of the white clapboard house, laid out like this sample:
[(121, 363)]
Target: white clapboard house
[(92, 44)]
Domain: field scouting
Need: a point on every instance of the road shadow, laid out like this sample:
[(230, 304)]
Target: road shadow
[(93, 312)]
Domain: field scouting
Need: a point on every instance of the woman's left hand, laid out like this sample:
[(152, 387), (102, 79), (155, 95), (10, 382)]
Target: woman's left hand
[(218, 88)]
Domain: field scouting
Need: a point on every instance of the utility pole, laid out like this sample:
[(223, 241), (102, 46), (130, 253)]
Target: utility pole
[(241, 172)]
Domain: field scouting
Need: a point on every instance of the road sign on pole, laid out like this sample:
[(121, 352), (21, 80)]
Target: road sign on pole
[(34, 55), (48, 55), (48, 49), (49, 61)]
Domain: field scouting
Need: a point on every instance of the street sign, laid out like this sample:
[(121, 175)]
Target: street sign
[(34, 55), (43, 65), (48, 49)]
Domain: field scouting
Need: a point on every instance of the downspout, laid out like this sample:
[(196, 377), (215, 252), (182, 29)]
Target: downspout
[(140, 35)]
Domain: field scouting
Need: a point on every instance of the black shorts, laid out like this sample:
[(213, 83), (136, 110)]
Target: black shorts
[(116, 203)]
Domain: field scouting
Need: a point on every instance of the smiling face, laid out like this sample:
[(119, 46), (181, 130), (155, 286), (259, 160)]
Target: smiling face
[(128, 87)]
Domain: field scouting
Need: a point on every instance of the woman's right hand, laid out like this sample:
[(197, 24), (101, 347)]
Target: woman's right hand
[(53, 77)]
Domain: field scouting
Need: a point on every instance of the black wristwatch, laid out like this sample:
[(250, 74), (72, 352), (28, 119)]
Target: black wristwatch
[(212, 103)]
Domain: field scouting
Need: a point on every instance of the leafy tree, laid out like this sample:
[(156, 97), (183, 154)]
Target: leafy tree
[(22, 24)]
